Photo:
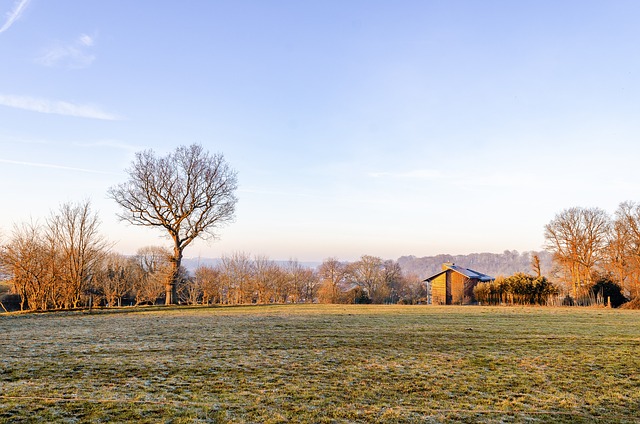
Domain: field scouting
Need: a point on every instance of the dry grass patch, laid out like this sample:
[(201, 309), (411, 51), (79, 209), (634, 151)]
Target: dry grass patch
[(313, 363)]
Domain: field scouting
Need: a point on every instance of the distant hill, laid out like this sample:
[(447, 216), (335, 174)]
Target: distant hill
[(495, 264), (191, 264)]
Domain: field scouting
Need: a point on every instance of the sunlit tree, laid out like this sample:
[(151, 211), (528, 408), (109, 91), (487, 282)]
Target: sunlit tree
[(577, 237), (332, 275), (74, 232), (188, 193), (28, 259), (623, 250)]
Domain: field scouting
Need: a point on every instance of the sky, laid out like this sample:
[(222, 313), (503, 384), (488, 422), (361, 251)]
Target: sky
[(385, 128)]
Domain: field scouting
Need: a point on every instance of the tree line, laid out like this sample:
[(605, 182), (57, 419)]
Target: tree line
[(66, 263), (596, 252)]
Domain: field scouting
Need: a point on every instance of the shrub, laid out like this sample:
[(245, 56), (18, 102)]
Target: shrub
[(520, 288), (632, 304)]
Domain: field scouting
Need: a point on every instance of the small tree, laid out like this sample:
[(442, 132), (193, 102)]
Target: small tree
[(535, 265), (188, 193), (116, 278), (303, 280), (237, 274), (368, 273), (29, 261), (332, 274), (73, 231), (207, 280), (152, 265)]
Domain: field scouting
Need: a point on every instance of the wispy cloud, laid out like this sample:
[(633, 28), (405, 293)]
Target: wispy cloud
[(54, 166), (85, 40), (14, 14), (56, 107), (416, 174), (73, 55)]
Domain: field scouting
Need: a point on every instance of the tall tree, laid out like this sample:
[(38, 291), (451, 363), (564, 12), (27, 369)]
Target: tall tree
[(624, 247), (188, 193), (577, 237)]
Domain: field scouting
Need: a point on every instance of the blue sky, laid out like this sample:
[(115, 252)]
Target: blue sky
[(357, 127)]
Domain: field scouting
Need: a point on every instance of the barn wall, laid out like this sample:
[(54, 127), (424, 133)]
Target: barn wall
[(457, 288), (439, 290)]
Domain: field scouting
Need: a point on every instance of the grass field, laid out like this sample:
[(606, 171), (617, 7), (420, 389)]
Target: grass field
[(314, 363)]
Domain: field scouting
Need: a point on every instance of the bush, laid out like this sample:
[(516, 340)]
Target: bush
[(632, 304), (520, 288)]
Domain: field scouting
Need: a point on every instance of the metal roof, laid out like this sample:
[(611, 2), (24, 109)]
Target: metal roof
[(469, 273)]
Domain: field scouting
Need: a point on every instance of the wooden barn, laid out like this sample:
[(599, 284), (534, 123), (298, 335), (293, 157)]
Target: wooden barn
[(454, 285)]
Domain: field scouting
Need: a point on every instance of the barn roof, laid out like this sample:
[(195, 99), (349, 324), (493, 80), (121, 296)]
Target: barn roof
[(469, 273)]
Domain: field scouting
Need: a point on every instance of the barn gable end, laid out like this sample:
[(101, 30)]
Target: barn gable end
[(454, 285)]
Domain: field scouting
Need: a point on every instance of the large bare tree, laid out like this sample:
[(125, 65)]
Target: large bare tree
[(577, 237), (188, 193)]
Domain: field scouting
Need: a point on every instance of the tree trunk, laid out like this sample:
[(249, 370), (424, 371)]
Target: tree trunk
[(171, 288), (171, 293)]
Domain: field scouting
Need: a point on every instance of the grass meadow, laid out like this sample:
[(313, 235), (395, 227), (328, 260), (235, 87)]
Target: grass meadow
[(321, 364)]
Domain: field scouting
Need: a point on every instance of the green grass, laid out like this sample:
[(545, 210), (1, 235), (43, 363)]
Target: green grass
[(316, 363)]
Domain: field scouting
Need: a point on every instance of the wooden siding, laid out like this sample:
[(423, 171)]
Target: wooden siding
[(439, 290), (457, 288), (452, 288)]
